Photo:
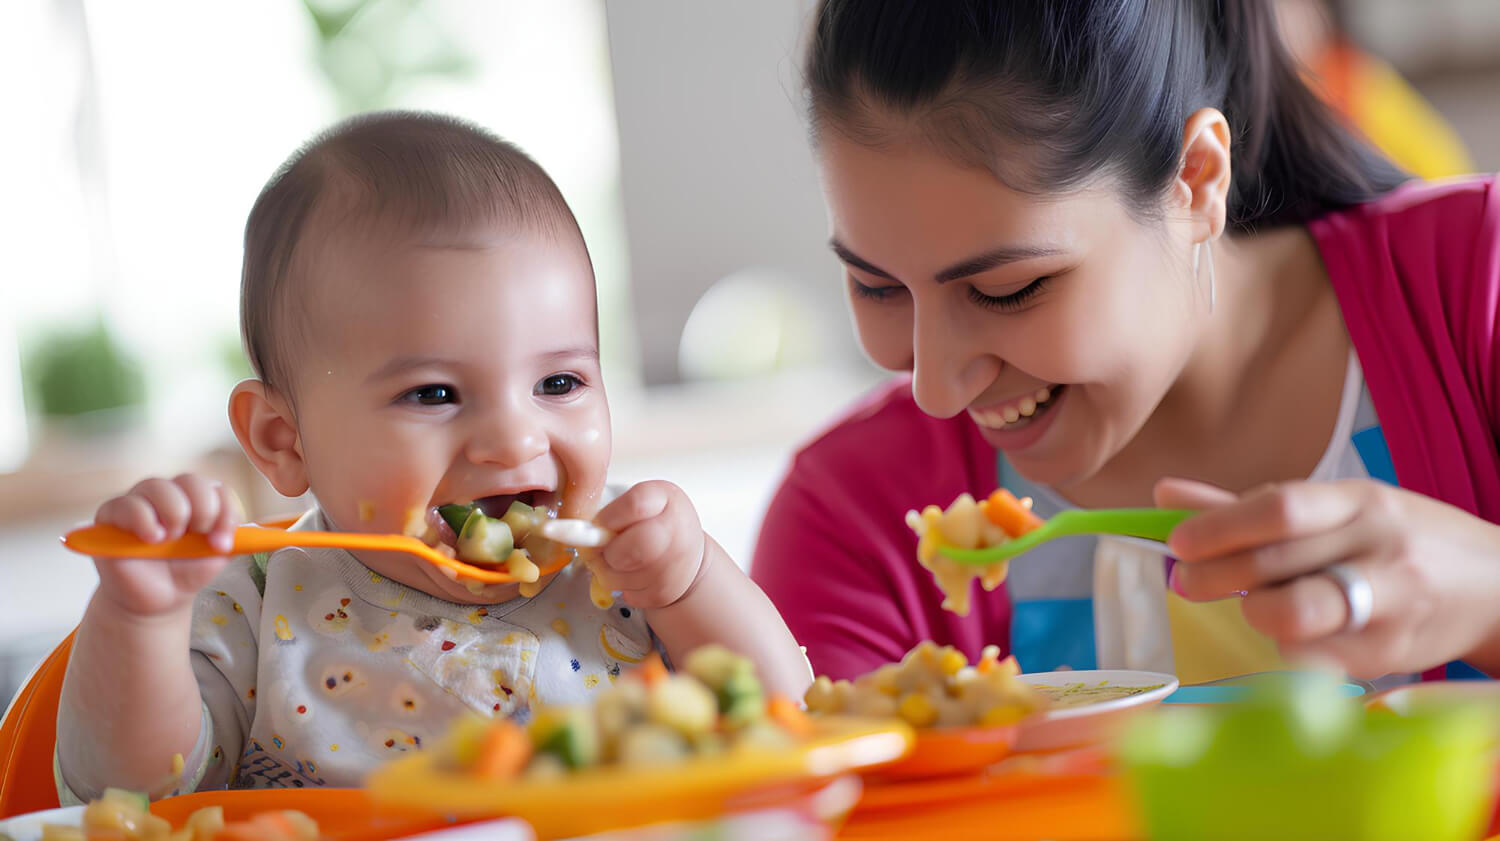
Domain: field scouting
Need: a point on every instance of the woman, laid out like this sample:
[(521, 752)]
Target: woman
[(1118, 245)]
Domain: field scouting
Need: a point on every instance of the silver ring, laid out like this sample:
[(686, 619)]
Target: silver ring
[(1358, 594)]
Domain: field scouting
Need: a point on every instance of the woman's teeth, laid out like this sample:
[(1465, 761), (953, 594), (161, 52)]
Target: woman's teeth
[(1014, 413)]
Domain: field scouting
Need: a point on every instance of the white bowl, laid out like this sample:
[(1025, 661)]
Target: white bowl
[(29, 827), (1088, 724)]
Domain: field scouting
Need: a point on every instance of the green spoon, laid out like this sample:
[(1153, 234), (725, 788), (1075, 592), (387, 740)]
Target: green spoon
[(1148, 523)]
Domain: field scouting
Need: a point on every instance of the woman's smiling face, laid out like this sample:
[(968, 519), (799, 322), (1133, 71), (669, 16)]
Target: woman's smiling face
[(1058, 323)]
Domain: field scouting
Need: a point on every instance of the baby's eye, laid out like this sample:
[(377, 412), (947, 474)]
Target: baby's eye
[(558, 385), (432, 395)]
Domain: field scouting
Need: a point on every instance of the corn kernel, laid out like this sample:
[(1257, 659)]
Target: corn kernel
[(1001, 716), (951, 660), (917, 710)]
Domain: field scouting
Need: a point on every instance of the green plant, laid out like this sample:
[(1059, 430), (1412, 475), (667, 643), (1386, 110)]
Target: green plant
[(232, 358), (367, 48), (74, 372)]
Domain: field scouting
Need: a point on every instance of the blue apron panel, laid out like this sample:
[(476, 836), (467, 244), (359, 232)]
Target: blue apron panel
[(1370, 444), (1051, 633)]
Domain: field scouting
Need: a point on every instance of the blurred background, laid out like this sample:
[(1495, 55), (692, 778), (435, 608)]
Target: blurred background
[(141, 133)]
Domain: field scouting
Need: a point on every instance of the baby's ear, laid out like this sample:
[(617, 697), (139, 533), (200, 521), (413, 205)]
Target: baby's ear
[(267, 431)]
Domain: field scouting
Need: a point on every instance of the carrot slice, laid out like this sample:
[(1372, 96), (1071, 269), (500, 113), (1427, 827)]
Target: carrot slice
[(1007, 512), (504, 752), (785, 712), (652, 670)]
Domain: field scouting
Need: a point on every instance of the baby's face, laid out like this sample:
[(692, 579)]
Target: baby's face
[(451, 374)]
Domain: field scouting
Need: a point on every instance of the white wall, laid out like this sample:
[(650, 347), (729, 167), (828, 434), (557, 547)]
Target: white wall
[(717, 174)]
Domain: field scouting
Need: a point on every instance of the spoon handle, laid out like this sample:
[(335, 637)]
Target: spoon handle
[(103, 541), (1147, 523)]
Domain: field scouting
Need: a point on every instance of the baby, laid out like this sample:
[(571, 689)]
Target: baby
[(419, 307)]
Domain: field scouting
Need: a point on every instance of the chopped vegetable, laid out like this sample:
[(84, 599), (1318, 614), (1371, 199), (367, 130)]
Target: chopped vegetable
[(647, 716), (455, 515), (504, 751), (732, 678), (522, 518), (124, 816), (1011, 514), (520, 565), (484, 540), (790, 715), (683, 703), (568, 733), (967, 524), (932, 686)]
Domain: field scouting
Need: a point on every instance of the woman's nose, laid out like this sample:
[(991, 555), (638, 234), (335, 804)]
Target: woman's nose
[(950, 367)]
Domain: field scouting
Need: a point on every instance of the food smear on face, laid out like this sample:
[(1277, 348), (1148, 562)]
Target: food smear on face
[(969, 524)]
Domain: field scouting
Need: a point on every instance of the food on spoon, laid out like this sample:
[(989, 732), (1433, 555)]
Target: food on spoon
[(933, 686), (969, 524), (649, 716), (124, 816)]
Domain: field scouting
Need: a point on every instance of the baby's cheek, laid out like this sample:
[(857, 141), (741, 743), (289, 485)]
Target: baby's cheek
[(583, 452)]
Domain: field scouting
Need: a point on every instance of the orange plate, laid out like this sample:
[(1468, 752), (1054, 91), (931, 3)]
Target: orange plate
[(602, 799), (1099, 809), (343, 814), (947, 751), (1017, 776)]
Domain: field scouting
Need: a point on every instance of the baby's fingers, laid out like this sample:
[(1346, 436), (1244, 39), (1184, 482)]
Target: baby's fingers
[(133, 514), (638, 547), (205, 502), (641, 502), (231, 515), (170, 504)]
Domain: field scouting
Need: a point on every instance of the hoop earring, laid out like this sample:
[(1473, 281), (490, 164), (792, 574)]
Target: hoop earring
[(1199, 251)]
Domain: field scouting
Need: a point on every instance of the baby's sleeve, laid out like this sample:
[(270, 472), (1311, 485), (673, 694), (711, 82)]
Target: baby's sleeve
[(225, 656)]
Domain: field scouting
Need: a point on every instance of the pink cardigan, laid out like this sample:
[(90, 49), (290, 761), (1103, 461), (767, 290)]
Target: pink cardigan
[(1417, 274)]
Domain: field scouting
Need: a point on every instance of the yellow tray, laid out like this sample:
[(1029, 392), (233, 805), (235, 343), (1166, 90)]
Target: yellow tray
[(602, 799)]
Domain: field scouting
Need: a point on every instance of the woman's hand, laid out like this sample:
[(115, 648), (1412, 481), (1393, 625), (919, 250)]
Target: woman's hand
[(1433, 570)]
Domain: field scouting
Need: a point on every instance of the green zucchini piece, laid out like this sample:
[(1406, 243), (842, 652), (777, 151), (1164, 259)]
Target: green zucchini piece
[(484, 540), (455, 515)]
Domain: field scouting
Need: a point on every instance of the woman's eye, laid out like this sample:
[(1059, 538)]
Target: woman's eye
[(1014, 301), (873, 293), (432, 395), (558, 385)]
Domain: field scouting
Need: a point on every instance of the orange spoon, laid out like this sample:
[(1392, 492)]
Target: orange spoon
[(112, 542)]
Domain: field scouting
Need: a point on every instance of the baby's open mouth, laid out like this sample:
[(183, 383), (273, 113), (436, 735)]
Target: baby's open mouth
[(499, 531)]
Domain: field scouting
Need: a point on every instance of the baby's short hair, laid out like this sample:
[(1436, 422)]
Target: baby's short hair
[(425, 175)]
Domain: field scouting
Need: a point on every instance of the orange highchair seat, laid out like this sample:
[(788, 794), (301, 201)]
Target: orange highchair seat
[(28, 737)]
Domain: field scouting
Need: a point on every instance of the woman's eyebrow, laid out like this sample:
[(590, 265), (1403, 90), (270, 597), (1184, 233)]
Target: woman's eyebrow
[(857, 261), (977, 264)]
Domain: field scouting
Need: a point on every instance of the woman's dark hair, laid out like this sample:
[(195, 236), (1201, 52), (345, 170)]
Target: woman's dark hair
[(1088, 87)]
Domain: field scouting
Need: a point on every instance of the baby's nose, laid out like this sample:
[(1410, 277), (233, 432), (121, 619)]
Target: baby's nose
[(510, 440)]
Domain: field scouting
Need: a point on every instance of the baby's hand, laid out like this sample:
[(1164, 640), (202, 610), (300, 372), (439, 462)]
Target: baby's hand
[(154, 511), (659, 545)]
